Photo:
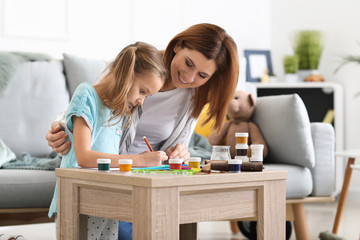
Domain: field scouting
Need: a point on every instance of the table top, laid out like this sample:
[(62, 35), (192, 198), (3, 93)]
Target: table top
[(148, 180)]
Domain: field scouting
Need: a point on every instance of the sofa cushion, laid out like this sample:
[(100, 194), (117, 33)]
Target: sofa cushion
[(78, 70), (36, 94), (26, 188), (285, 125), (299, 183)]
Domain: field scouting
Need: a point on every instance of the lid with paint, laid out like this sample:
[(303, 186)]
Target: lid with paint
[(241, 134), (235, 161), (194, 159), (175, 161), (103, 161), (241, 146), (125, 161)]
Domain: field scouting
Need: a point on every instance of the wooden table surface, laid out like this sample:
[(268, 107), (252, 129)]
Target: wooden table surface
[(158, 204)]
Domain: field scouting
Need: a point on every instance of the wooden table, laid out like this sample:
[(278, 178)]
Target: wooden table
[(157, 204), (351, 155)]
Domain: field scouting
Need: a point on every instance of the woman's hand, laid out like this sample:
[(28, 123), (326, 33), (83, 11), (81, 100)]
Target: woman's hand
[(56, 138), (150, 159), (179, 151)]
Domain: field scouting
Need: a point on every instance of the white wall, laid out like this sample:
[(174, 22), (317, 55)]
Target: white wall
[(101, 28), (339, 20)]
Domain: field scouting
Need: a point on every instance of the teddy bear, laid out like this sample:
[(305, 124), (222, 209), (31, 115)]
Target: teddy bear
[(239, 114)]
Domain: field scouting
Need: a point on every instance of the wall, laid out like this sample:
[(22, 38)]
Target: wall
[(101, 28), (338, 20)]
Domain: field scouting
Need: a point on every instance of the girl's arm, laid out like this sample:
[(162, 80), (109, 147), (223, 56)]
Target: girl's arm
[(87, 158)]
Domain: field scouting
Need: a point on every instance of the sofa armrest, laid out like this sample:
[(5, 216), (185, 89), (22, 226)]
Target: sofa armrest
[(323, 173)]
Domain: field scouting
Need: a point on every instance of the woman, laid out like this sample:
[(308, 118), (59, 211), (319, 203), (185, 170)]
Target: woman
[(204, 68)]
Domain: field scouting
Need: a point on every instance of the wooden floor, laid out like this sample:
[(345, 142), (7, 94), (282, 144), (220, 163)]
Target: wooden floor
[(320, 218)]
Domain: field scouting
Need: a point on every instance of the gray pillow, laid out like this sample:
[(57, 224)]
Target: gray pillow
[(78, 70), (285, 125)]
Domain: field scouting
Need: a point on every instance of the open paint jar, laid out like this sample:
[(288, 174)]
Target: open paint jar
[(220, 153), (256, 152), (125, 165), (194, 162), (103, 164), (241, 137), (235, 165), (241, 149), (175, 164)]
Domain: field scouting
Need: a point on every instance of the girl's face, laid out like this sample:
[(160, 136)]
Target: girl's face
[(190, 68), (144, 85)]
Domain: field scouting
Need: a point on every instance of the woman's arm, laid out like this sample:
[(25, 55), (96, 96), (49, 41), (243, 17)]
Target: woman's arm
[(87, 158)]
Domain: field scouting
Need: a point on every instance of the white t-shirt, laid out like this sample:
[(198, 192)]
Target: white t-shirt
[(160, 117)]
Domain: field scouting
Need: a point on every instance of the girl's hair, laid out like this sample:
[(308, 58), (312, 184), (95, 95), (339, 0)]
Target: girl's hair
[(214, 43), (134, 59)]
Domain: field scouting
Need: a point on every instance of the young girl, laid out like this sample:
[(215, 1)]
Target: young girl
[(98, 115)]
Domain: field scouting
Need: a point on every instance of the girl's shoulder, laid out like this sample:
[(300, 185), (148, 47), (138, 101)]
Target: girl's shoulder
[(85, 88)]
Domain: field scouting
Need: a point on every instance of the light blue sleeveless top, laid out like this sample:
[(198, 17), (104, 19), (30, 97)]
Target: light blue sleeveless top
[(86, 103)]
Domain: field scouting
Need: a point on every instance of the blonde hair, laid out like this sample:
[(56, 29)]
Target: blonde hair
[(134, 59), (214, 43)]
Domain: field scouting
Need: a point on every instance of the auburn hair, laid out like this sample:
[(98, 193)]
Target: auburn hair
[(137, 58), (214, 43)]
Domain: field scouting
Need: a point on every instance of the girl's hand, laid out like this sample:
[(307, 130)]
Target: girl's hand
[(179, 151), (56, 138), (150, 159)]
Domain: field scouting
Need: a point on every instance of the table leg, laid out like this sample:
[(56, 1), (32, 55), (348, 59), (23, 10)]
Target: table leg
[(156, 213), (343, 195), (271, 210)]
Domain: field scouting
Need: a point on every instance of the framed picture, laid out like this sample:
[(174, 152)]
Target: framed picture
[(257, 62)]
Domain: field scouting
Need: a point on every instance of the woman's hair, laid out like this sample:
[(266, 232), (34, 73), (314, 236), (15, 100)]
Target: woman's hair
[(214, 43), (134, 59)]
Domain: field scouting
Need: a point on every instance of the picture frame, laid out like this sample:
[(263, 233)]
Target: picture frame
[(256, 63)]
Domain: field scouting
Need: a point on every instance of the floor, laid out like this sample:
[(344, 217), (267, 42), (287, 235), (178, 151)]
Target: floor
[(320, 218)]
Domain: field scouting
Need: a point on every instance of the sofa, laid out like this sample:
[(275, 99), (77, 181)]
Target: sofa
[(38, 91), (306, 150), (32, 94)]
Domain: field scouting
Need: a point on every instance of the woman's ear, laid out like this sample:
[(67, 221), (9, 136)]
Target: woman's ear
[(177, 47)]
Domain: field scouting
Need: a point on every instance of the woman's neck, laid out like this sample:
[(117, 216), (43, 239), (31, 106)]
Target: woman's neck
[(168, 85)]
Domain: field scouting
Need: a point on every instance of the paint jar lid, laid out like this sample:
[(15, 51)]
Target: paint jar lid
[(257, 146), (256, 159), (194, 159), (103, 161), (175, 161), (241, 134), (235, 161), (125, 161), (241, 146), (243, 158)]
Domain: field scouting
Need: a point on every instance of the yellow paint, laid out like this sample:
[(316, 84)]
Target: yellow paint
[(125, 167)]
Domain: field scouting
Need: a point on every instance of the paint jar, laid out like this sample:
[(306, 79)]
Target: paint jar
[(241, 137), (235, 165), (256, 152), (242, 158), (103, 164), (194, 162), (220, 153), (125, 165), (175, 164), (241, 149)]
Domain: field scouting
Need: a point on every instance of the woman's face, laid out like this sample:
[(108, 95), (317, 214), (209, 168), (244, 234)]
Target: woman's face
[(190, 68)]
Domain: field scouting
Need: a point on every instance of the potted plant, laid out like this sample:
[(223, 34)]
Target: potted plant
[(291, 66), (308, 46)]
